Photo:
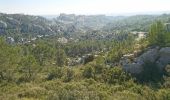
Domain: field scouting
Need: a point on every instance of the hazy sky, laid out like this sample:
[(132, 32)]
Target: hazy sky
[(52, 7)]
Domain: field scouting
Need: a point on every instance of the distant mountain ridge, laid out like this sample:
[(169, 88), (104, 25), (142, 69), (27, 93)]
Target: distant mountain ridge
[(70, 24)]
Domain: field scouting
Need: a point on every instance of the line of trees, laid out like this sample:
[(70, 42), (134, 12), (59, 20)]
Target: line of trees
[(158, 34)]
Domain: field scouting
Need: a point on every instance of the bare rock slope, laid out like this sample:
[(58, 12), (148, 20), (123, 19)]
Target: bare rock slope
[(160, 56)]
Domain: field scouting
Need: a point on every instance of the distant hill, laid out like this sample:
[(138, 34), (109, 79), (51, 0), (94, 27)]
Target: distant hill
[(82, 21), (24, 24), (21, 25), (136, 23)]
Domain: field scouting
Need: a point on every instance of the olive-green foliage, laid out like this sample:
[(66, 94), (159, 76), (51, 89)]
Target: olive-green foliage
[(60, 58), (55, 73), (88, 72), (163, 94), (43, 52), (93, 81), (121, 48), (158, 34), (9, 59), (86, 46), (37, 71), (117, 76), (69, 75), (101, 73), (167, 77), (28, 67)]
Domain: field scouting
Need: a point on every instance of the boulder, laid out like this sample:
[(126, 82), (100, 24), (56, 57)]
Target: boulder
[(156, 55), (136, 67), (164, 57), (133, 68), (150, 56), (87, 58)]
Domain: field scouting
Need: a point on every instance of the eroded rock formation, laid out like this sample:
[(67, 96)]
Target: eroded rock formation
[(160, 56)]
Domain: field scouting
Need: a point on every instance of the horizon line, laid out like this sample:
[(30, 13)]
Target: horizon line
[(106, 14)]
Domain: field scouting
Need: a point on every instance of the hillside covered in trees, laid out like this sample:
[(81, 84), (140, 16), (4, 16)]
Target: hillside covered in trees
[(78, 57)]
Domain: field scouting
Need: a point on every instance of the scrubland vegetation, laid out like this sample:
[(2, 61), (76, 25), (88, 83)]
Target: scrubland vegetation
[(40, 70)]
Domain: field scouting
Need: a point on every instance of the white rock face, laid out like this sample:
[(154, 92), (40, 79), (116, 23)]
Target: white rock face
[(63, 40), (160, 56)]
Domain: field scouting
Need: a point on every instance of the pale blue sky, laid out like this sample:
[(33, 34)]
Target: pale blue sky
[(52, 7)]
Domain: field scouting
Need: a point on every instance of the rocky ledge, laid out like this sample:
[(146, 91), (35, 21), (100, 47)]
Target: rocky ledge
[(160, 56)]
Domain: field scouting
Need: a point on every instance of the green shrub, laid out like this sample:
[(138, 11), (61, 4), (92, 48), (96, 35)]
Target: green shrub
[(88, 72), (56, 73), (116, 76), (69, 75), (28, 68)]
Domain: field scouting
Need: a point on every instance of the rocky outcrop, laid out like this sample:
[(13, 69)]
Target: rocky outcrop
[(81, 60), (164, 57), (133, 68), (88, 58), (160, 56)]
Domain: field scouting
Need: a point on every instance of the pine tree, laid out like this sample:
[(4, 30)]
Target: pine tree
[(157, 34), (28, 67), (60, 58)]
